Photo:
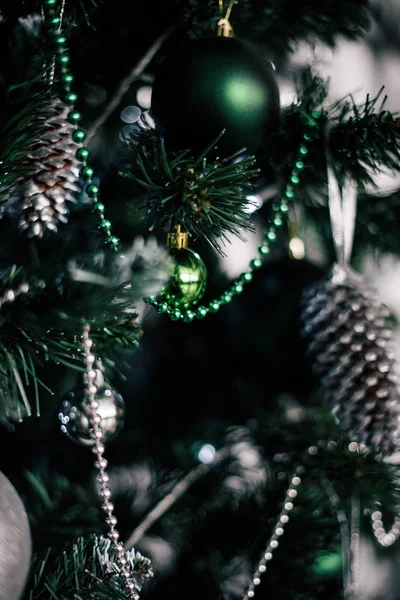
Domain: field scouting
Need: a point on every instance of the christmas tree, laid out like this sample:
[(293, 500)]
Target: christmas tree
[(199, 205)]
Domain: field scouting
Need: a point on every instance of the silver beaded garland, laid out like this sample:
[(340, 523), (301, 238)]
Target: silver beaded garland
[(101, 463), (278, 531)]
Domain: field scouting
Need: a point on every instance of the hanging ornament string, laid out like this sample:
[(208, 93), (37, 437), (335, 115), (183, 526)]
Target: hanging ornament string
[(342, 210), (101, 463)]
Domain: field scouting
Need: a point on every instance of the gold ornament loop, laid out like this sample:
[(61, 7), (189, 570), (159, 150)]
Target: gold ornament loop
[(224, 28)]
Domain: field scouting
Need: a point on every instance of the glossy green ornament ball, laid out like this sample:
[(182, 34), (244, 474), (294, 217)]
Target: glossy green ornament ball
[(188, 279), (212, 84)]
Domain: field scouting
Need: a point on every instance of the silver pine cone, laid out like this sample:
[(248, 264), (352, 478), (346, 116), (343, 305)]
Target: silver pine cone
[(348, 334), (50, 175)]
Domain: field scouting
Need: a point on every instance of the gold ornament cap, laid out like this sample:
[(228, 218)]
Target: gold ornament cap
[(178, 239)]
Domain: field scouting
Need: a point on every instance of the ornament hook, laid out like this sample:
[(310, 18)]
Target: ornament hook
[(224, 28)]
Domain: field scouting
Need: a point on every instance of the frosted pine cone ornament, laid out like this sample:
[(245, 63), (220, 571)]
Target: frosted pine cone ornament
[(348, 333), (51, 176)]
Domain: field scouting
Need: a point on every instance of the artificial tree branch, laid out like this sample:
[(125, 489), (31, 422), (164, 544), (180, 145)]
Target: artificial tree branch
[(174, 495), (344, 528), (126, 83)]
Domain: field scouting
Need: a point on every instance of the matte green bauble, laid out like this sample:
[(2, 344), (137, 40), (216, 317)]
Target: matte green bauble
[(188, 279), (212, 84)]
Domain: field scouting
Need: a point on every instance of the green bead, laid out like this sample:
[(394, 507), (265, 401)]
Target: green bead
[(60, 40), (295, 179), (226, 298), (162, 308), (99, 208), (175, 315), (189, 316), (237, 288), (67, 78), (201, 312), (307, 136), (55, 21), (271, 235), (247, 277), (71, 98), (315, 114), (278, 222), (78, 136), (82, 154), (284, 207), (113, 242), (263, 249), (187, 279), (50, 2), (256, 263), (105, 225), (303, 150), (289, 193), (87, 172), (92, 190), (299, 165), (149, 299), (63, 59), (214, 306)]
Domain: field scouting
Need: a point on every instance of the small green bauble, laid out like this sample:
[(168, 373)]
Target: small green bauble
[(188, 278)]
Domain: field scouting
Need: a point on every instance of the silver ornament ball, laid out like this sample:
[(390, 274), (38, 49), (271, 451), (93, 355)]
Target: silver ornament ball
[(15, 542), (75, 415)]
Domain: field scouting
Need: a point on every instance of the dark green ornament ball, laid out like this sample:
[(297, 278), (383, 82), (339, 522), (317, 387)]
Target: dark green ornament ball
[(188, 279), (212, 84)]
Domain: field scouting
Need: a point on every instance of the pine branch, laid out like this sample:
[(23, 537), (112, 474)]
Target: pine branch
[(364, 140), (206, 196), (46, 324), (85, 570)]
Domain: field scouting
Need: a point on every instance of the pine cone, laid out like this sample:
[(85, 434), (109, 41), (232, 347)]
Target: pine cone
[(348, 333), (51, 175)]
